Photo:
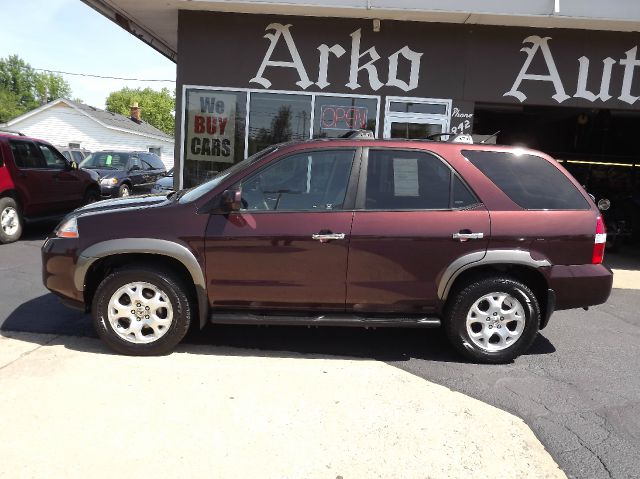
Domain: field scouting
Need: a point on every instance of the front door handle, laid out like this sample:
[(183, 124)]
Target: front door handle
[(467, 236), (326, 237)]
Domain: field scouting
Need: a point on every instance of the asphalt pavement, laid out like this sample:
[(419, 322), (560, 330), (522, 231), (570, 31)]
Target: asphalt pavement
[(578, 388)]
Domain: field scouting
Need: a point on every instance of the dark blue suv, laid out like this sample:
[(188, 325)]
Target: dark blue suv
[(125, 172)]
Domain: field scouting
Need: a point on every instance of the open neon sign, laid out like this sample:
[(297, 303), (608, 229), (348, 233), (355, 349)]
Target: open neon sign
[(334, 117)]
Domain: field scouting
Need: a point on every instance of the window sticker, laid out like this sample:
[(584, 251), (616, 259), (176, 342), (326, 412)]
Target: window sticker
[(405, 177), (108, 160)]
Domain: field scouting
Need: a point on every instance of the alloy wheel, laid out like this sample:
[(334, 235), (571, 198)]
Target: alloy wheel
[(140, 312), (9, 221), (495, 321)]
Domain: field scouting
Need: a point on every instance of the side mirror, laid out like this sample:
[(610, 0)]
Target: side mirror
[(231, 200)]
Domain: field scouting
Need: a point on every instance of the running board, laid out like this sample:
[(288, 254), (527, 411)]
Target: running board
[(324, 320)]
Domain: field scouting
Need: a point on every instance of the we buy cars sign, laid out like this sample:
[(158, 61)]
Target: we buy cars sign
[(211, 119)]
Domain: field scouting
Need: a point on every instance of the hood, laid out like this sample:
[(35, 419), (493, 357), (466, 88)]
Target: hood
[(130, 202), (105, 172), (165, 181)]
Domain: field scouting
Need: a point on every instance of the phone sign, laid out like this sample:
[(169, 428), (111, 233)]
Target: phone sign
[(335, 117)]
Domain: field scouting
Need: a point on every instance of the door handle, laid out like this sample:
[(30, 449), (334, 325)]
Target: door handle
[(467, 236), (325, 238)]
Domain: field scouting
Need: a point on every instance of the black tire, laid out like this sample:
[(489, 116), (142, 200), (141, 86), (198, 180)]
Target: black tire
[(461, 303), (170, 284), (124, 190), (12, 213), (91, 196)]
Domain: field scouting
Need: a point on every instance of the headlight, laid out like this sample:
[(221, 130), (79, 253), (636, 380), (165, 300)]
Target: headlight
[(109, 181), (68, 229)]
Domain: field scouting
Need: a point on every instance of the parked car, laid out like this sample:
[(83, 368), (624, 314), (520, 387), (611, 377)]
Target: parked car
[(123, 173), (486, 241), (73, 154), (37, 182), (164, 184)]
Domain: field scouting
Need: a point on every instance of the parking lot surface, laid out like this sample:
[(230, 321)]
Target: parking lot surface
[(578, 388)]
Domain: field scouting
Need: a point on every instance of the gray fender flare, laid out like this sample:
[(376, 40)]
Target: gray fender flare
[(481, 258), (149, 246)]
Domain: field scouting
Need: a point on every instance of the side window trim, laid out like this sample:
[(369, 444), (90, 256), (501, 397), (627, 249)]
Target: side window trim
[(362, 182), (352, 182)]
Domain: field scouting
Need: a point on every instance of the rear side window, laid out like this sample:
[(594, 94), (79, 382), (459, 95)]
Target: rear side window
[(530, 181), (412, 180), (26, 155)]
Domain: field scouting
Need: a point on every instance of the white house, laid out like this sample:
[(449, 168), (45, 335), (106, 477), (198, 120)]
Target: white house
[(66, 123)]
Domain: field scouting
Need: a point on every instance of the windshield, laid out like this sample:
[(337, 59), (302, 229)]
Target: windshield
[(109, 160), (192, 194)]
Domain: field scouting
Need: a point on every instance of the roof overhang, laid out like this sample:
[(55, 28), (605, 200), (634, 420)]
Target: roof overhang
[(156, 22)]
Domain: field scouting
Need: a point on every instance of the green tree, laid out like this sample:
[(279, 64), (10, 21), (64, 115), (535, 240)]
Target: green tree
[(23, 89), (156, 107)]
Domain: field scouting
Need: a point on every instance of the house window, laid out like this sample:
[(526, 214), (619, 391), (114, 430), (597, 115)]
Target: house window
[(156, 150), (74, 145)]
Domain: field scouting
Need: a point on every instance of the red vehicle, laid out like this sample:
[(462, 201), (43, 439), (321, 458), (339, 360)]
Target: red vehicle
[(486, 241), (37, 182)]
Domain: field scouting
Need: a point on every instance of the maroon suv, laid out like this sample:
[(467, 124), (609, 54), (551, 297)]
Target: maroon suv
[(487, 241), (37, 182)]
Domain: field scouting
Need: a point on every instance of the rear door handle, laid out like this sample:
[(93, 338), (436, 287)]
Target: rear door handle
[(325, 238), (467, 236)]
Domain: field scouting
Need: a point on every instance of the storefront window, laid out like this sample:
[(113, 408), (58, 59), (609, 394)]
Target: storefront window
[(336, 115), (276, 118), (214, 133), (414, 130)]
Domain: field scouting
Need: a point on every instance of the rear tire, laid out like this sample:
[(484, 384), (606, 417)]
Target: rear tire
[(493, 320), (91, 196), (11, 221), (141, 311)]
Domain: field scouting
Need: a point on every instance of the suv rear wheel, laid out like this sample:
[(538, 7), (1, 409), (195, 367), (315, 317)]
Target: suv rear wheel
[(493, 320), (141, 311), (10, 220)]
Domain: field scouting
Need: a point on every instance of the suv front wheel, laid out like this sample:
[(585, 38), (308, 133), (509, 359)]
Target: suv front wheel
[(141, 311), (493, 320)]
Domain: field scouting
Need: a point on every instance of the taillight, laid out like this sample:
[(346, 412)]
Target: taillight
[(600, 241)]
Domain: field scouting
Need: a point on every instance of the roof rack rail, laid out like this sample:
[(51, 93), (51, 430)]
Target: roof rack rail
[(11, 132), (359, 134)]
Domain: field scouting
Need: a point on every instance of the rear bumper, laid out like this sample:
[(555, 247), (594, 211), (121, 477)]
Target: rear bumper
[(579, 286)]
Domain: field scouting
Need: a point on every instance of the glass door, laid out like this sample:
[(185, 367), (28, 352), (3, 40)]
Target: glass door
[(416, 118)]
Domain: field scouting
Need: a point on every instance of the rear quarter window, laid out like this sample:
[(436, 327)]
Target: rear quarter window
[(528, 180)]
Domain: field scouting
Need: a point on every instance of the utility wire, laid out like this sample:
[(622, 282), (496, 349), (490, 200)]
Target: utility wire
[(99, 76)]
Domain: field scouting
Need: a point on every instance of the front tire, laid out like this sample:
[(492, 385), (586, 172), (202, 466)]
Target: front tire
[(141, 311), (124, 190), (10, 220), (91, 196), (493, 320)]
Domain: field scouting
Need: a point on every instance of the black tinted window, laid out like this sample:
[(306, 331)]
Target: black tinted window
[(155, 162), (406, 180), (26, 155), (530, 181), (461, 196), (309, 181)]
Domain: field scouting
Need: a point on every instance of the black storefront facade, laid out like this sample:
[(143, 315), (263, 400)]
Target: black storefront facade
[(246, 81)]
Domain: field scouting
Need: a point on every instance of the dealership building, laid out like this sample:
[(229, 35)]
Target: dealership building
[(562, 76)]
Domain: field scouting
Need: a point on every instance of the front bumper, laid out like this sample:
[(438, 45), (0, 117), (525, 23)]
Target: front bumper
[(580, 286), (59, 260)]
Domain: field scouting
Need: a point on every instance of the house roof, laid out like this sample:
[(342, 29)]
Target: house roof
[(114, 121)]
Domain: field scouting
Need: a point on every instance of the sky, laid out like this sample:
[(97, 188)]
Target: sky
[(67, 35)]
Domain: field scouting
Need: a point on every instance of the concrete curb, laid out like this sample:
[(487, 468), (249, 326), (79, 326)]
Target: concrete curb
[(70, 409)]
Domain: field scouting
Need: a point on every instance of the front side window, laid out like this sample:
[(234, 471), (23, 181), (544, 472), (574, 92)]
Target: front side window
[(406, 180), (309, 181), (528, 180), (26, 155), (54, 159)]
